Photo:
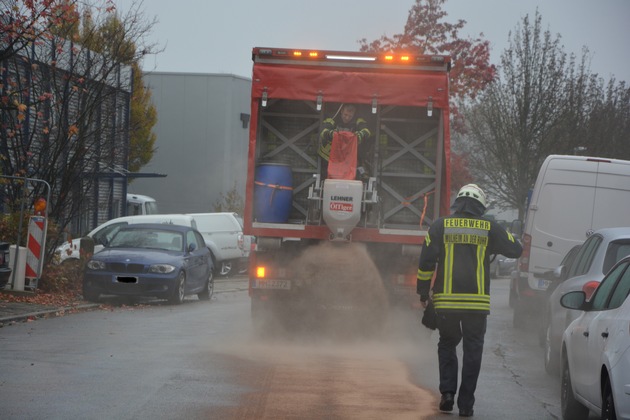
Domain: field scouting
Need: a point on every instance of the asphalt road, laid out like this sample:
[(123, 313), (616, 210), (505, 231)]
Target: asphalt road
[(201, 360)]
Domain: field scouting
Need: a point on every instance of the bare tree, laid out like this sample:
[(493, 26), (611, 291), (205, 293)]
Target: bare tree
[(539, 105), (66, 116), (608, 129)]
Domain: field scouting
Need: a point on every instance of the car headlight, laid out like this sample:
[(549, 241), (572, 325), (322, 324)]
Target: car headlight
[(96, 265), (161, 268)]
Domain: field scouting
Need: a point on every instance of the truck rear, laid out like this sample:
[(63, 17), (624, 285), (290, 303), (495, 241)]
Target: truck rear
[(331, 247)]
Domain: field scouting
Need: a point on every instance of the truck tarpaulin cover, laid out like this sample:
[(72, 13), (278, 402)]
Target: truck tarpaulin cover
[(343, 156), (351, 86)]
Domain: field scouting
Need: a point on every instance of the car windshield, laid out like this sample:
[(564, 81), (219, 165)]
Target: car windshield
[(148, 238)]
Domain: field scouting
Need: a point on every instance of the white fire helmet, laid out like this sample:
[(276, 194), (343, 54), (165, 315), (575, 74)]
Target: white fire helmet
[(473, 191)]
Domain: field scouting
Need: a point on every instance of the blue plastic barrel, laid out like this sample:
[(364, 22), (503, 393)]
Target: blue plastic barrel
[(273, 193)]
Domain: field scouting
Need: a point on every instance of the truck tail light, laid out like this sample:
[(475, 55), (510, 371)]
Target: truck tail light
[(260, 272)]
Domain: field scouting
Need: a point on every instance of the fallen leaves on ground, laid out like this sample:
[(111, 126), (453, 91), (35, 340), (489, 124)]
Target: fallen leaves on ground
[(39, 298)]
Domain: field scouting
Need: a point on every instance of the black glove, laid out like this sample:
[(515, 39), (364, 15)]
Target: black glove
[(362, 174), (429, 316)]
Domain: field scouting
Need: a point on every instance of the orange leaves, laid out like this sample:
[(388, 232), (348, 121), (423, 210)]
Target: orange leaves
[(45, 96), (428, 31), (73, 130)]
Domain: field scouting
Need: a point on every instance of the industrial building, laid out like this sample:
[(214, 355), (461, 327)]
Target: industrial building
[(202, 140)]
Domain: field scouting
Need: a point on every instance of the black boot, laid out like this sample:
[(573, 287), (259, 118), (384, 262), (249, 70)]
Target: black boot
[(446, 402), (466, 413)]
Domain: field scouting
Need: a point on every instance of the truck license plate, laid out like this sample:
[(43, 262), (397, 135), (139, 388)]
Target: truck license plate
[(543, 284), (272, 284)]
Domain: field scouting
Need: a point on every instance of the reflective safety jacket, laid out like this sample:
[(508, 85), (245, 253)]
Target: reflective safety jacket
[(459, 247), (330, 125)]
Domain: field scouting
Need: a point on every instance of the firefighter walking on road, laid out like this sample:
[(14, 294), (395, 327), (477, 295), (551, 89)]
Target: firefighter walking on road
[(457, 248)]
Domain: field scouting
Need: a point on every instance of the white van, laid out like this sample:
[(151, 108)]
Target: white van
[(141, 204), (223, 233), (572, 197), (105, 232)]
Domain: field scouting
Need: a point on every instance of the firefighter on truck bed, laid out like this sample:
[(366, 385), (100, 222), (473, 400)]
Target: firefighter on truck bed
[(345, 119)]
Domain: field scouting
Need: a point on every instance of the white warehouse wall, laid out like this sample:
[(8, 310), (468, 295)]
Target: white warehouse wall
[(201, 143)]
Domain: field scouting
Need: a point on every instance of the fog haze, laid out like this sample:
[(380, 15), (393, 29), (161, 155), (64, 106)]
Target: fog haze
[(217, 37)]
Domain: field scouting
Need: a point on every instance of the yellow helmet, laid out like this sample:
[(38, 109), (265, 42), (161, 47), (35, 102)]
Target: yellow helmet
[(473, 191)]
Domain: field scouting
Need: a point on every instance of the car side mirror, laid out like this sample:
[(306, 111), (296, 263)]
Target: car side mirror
[(573, 300), (192, 247)]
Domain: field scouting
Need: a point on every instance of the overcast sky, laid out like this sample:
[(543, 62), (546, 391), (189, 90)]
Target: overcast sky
[(217, 36)]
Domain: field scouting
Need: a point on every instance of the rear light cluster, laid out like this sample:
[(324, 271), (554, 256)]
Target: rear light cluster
[(523, 262), (351, 56)]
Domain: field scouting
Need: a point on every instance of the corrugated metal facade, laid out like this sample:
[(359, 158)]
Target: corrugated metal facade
[(101, 109), (201, 140)]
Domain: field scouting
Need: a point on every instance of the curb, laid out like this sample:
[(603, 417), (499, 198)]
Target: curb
[(54, 312)]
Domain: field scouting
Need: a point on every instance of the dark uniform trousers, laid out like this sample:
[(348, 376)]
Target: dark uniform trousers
[(453, 327)]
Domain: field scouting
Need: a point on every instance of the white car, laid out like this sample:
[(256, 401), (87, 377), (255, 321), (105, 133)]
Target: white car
[(71, 251), (593, 260), (596, 350)]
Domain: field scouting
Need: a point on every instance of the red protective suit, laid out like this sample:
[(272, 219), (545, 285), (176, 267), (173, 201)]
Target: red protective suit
[(343, 156)]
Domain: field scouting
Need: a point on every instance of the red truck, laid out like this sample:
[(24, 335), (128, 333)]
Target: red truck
[(331, 246)]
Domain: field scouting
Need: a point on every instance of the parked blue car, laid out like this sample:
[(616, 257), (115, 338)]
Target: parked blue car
[(161, 260)]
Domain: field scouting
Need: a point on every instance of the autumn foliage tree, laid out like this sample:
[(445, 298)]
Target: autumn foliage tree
[(142, 120), (460, 175), (427, 32), (119, 40)]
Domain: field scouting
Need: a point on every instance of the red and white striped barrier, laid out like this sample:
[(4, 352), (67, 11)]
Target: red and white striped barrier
[(35, 249)]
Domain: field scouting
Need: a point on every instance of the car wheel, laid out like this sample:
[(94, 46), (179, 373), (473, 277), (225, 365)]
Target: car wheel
[(608, 403), (90, 294), (571, 408), (178, 293), (208, 291), (226, 268), (551, 354)]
